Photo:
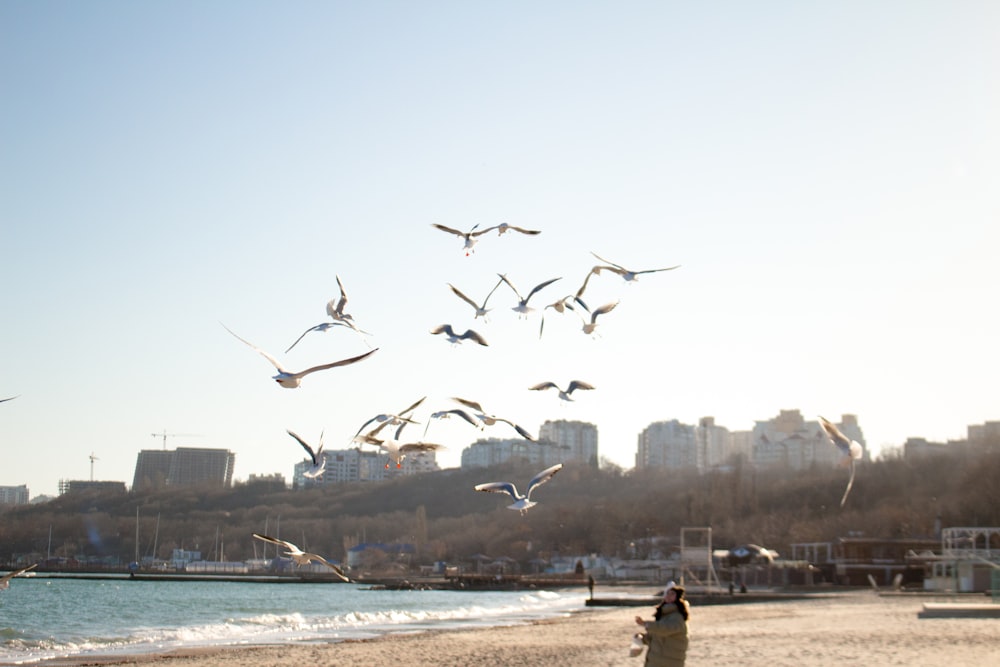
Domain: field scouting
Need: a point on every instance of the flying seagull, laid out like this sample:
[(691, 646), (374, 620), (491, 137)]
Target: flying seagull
[(446, 414), (490, 420), (563, 394), (522, 308), (521, 503), (318, 460), (850, 449), (302, 557), (5, 579), (629, 276), (455, 338), (290, 380), (389, 419), (589, 327), (481, 310), (468, 237), (335, 309)]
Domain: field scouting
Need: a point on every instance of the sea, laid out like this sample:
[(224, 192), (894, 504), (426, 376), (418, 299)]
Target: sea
[(43, 618)]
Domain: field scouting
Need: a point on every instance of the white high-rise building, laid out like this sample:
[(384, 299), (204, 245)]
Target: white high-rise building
[(668, 444), (577, 441), (789, 441)]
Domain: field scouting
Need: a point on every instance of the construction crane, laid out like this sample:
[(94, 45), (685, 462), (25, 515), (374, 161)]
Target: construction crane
[(165, 434), (92, 459)]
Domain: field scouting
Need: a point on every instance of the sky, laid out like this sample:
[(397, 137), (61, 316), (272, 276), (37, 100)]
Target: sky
[(827, 176)]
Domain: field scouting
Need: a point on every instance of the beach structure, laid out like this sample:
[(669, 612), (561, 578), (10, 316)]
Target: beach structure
[(969, 561)]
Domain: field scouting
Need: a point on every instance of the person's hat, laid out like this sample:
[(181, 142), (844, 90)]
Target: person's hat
[(675, 586)]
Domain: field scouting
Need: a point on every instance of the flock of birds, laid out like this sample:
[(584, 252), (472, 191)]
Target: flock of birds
[(472, 412)]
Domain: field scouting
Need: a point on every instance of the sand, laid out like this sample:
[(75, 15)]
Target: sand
[(857, 628)]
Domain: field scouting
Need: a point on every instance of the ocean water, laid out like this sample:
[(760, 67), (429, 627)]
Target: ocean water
[(43, 618)]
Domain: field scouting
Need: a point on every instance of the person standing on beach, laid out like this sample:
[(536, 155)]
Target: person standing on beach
[(667, 634)]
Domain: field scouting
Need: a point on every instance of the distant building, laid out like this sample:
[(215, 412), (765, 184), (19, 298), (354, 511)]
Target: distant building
[(274, 481), (984, 436), (488, 452), (915, 448), (14, 495), (576, 440), (81, 485), (184, 466), (667, 444), (357, 465)]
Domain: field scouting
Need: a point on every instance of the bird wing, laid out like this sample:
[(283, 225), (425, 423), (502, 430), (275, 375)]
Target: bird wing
[(606, 308), (463, 414), (318, 326), (613, 266), (669, 268), (850, 483), (274, 362), (420, 447), (499, 487), (448, 229), (469, 333), (339, 310), (305, 446), (443, 328), (544, 385), (280, 543), (499, 282), (464, 298), (504, 279), (482, 231), (540, 286), (469, 404), (10, 575), (543, 477), (842, 442), (4, 400), (524, 434), (524, 231), (578, 384), (342, 362)]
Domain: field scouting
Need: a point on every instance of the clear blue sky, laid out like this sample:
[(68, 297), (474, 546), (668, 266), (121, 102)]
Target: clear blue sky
[(827, 175)]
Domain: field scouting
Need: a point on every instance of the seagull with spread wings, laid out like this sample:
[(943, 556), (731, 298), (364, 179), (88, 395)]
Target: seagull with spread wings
[(456, 338), (481, 310), (290, 380), (521, 503), (301, 557), (468, 237), (490, 420), (564, 394), (851, 450), (591, 325), (522, 308), (318, 459), (390, 419), (627, 274)]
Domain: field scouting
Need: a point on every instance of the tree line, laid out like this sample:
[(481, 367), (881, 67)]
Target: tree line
[(582, 510)]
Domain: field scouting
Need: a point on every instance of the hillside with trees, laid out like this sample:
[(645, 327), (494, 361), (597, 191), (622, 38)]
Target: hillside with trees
[(582, 510)]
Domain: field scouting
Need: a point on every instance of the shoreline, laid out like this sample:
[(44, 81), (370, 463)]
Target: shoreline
[(852, 628)]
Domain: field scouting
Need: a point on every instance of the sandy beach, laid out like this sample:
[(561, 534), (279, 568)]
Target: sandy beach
[(856, 628)]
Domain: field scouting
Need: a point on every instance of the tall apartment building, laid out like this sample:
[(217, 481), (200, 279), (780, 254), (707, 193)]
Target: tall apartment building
[(14, 495), (668, 444), (789, 441), (184, 466), (356, 465), (576, 440)]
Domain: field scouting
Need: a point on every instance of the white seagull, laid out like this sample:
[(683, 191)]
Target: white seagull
[(589, 327), (302, 557), (851, 449), (455, 338), (390, 419), (490, 420), (629, 276), (521, 503), (318, 460), (480, 310), (335, 309), (522, 308), (5, 579), (563, 394), (561, 306), (446, 414), (469, 237), (290, 380)]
